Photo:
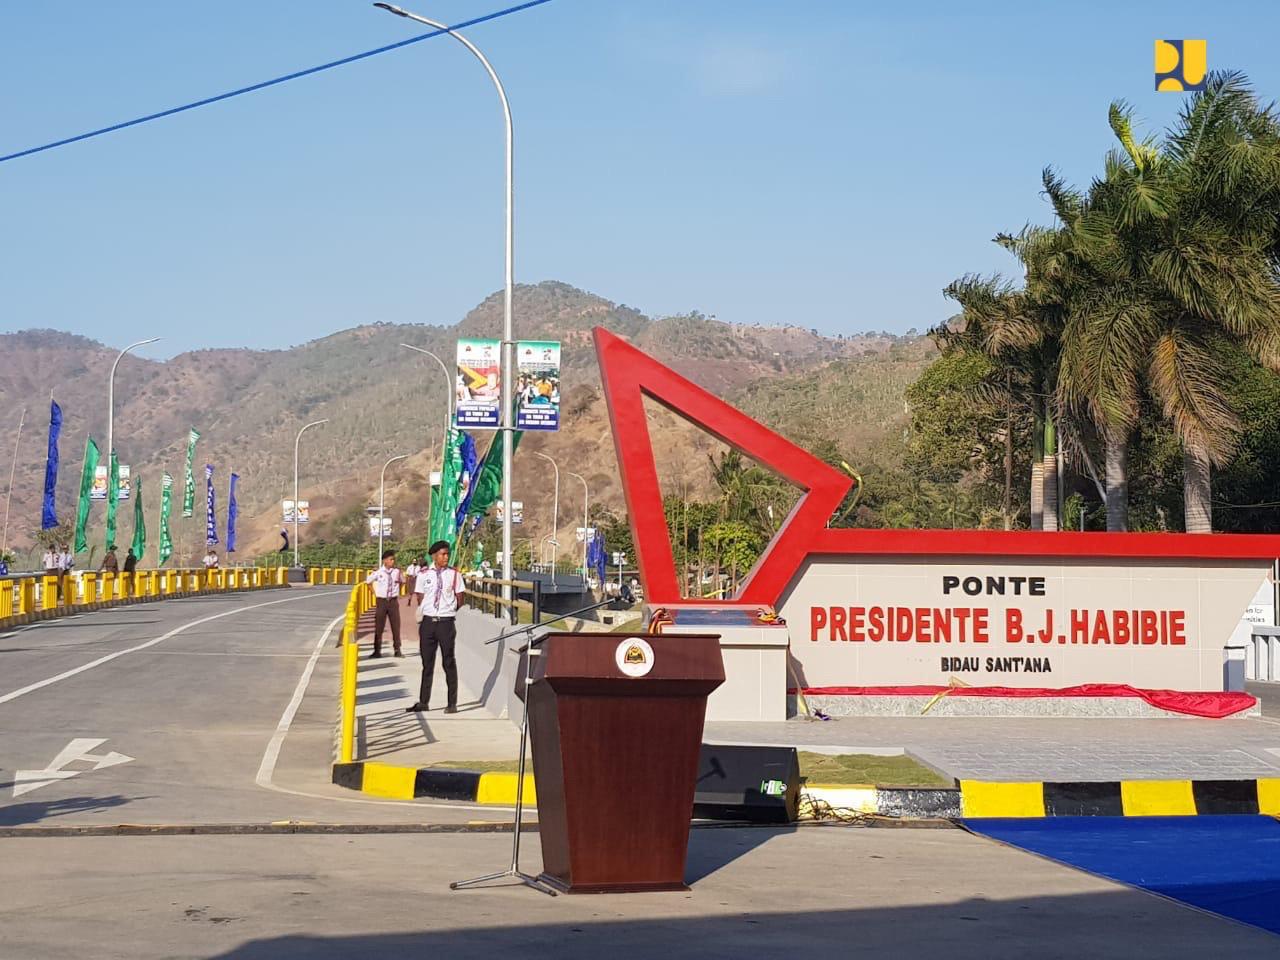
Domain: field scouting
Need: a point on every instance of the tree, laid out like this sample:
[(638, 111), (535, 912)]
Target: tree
[(1184, 239)]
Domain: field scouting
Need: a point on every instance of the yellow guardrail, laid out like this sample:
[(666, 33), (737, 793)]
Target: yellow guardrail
[(360, 601), (30, 598)]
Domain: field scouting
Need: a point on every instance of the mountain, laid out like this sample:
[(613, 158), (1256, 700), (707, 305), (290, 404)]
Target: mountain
[(382, 400)]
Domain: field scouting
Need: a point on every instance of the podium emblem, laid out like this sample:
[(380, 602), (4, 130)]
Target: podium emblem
[(634, 657)]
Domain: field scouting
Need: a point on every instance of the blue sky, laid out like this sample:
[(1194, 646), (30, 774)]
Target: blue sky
[(830, 164)]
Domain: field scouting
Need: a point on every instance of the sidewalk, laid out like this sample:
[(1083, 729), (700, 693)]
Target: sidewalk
[(962, 748)]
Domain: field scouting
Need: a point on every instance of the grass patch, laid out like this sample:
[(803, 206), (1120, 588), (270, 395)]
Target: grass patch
[(819, 768), (899, 771)]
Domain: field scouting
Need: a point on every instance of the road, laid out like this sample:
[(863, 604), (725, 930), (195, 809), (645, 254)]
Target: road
[(172, 707)]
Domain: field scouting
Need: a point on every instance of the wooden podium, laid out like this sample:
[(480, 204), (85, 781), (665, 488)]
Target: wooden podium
[(616, 723)]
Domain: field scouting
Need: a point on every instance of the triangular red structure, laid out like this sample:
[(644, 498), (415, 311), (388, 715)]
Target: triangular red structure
[(629, 376)]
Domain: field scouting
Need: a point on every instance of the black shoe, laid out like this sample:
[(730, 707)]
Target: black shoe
[(451, 709), (416, 708), (399, 653), (375, 655)]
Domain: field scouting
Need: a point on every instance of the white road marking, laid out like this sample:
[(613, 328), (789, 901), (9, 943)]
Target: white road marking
[(66, 674), (76, 751), (268, 765), (267, 768)]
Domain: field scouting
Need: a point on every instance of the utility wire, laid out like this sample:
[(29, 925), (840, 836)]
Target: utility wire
[(270, 83)]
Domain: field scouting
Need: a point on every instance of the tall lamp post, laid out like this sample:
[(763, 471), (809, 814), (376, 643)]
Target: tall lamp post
[(555, 512), (382, 499), (508, 336), (296, 444), (111, 396), (586, 525)]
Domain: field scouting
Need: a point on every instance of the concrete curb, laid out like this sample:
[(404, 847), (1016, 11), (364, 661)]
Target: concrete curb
[(1120, 798), (973, 798)]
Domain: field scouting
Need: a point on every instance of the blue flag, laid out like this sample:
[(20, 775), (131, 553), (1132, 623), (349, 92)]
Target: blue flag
[(210, 512), (466, 479), (596, 554), (49, 516), (232, 509)]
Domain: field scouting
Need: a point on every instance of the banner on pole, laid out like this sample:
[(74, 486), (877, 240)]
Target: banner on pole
[(304, 511), (189, 491), (99, 489), (88, 480), (374, 525), (538, 385), (233, 510), (166, 538), (49, 513), (124, 484), (517, 511), (113, 498), (139, 525), (479, 384), (210, 508)]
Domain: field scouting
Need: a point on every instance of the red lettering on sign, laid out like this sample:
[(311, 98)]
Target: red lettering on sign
[(838, 615), (980, 634), (875, 621), (1177, 628), (817, 620), (1147, 627), (941, 625), (857, 618), (1013, 625), (923, 633)]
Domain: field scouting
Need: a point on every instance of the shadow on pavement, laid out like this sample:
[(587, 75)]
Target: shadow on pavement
[(1116, 924), (35, 811), (713, 848)]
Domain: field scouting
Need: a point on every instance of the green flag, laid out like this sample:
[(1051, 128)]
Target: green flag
[(166, 539), (139, 525), (189, 491), (487, 485), (86, 489), (113, 498), (444, 503)]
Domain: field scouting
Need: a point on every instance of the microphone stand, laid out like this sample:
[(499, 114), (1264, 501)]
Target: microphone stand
[(530, 650)]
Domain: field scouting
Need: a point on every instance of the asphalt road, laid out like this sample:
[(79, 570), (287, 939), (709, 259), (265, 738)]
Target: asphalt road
[(163, 713)]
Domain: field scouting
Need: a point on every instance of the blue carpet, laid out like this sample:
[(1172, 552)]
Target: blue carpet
[(1229, 865)]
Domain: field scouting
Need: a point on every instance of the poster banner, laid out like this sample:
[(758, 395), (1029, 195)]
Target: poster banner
[(189, 491), (88, 477), (233, 511), (538, 385), (210, 508), (99, 489), (517, 511), (126, 482), (479, 386), (49, 513), (373, 527), (304, 511), (166, 537)]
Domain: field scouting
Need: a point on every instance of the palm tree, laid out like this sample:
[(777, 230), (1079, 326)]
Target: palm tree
[(1181, 245)]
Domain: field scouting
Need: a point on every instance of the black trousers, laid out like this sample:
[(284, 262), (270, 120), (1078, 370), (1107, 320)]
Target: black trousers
[(433, 634), (386, 608)]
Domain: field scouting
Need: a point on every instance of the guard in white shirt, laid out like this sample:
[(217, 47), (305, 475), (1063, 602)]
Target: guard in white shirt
[(439, 594), (386, 582)]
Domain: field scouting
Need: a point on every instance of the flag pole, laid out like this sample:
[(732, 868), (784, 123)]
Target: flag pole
[(4, 538)]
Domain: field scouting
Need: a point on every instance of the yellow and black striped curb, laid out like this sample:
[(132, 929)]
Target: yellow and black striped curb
[(1119, 798), (412, 783)]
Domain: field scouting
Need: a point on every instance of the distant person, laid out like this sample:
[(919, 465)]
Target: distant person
[(439, 592), (67, 560), (386, 582), (52, 563), (130, 562), (110, 563), (211, 559), (411, 572)]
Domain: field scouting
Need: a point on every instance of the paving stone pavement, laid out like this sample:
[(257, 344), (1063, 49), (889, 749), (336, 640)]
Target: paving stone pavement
[(1007, 749)]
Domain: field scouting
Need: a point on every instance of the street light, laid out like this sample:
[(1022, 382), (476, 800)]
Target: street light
[(555, 512), (508, 336), (449, 392), (382, 499), (586, 515), (111, 396), (296, 443)]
